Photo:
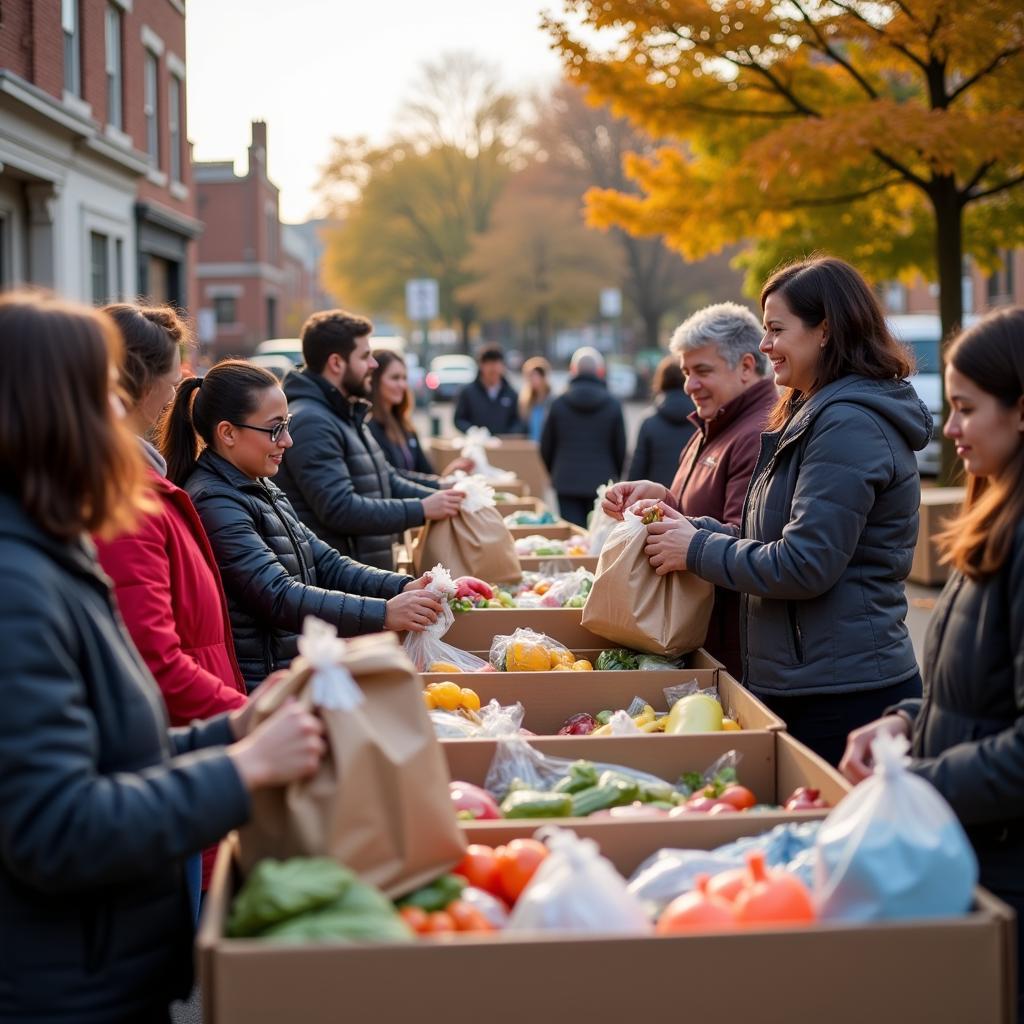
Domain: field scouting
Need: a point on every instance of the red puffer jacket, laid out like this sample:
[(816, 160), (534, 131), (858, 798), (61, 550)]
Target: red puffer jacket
[(170, 596)]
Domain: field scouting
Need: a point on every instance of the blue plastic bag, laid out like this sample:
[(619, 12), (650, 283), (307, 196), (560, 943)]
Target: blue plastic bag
[(893, 849)]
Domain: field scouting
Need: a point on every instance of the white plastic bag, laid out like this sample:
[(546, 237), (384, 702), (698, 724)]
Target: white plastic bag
[(490, 721), (333, 685), (426, 648), (893, 848), (599, 523), (477, 440), (575, 889)]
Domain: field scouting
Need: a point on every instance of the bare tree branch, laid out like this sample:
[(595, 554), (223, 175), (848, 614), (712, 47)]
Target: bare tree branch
[(1011, 183), (880, 32), (896, 165), (999, 59), (849, 197), (830, 51), (977, 176)]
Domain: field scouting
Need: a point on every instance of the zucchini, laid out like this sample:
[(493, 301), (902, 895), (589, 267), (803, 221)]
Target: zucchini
[(526, 803)]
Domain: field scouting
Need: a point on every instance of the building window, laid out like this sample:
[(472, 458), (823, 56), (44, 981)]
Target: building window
[(72, 59), (174, 111), (224, 309), (151, 107), (119, 268), (1000, 284), (271, 316), (99, 264), (115, 83)]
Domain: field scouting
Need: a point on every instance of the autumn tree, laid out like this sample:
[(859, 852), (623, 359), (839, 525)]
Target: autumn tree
[(890, 132), (539, 265), (411, 208), (585, 143)]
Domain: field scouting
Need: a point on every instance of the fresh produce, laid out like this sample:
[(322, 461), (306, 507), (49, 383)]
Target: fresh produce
[(617, 659), (436, 896), (479, 867), (309, 899), (636, 809), (491, 904), (582, 665), (772, 897), (443, 666), (517, 863), (645, 719), (444, 907), (470, 586), (738, 797), (653, 515), (524, 518), (449, 696), (698, 712), (473, 802), (578, 725), (537, 546), (698, 911), (527, 651), (804, 798), (530, 803), (613, 789)]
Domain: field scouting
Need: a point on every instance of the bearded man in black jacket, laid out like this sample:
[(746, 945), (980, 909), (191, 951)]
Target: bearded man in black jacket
[(335, 475)]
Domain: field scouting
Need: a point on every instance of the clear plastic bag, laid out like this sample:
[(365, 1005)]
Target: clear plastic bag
[(575, 889), (567, 586), (476, 442), (426, 648), (621, 724), (893, 848), (599, 523), (528, 651), (674, 694), (490, 721), (670, 873)]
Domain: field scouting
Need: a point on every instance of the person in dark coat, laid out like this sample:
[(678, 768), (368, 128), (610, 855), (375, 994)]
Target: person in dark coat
[(967, 731), (829, 525), (336, 476), (664, 433), (276, 571), (101, 801), (489, 401), (725, 373), (390, 423), (584, 439)]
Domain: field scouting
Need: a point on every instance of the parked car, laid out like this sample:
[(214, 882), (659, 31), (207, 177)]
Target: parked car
[(290, 347), (279, 365), (449, 375), (922, 334), (622, 380)]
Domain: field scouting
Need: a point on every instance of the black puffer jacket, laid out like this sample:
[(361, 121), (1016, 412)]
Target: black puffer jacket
[(276, 571), (662, 438), (968, 737), (337, 478), (413, 464), (475, 408), (584, 439), (828, 535), (99, 801)]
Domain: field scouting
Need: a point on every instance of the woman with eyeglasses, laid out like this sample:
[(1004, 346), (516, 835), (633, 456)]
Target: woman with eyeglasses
[(223, 439)]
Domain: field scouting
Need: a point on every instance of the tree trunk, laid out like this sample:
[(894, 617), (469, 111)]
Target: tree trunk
[(949, 251), (466, 319), (652, 326)]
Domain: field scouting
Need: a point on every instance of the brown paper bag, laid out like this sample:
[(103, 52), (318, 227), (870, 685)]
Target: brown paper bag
[(472, 544), (631, 605), (379, 801)]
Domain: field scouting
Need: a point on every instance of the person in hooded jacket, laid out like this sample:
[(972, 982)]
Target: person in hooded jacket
[(967, 732), (276, 571), (101, 802), (664, 434), (830, 519), (584, 440)]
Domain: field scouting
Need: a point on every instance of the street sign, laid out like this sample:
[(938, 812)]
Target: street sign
[(206, 324), (611, 302), (421, 298)]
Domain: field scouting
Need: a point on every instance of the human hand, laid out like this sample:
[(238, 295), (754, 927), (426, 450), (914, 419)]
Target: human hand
[(443, 504), (412, 610), (241, 719), (856, 764), (286, 747), (618, 498), (420, 584), (459, 465), (667, 543)]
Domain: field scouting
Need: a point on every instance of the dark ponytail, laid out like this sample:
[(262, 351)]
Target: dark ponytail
[(230, 391)]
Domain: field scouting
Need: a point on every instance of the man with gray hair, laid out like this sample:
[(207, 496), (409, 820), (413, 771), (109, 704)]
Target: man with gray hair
[(584, 439), (727, 378)]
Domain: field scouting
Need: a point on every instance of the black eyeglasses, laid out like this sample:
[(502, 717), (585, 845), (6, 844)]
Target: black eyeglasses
[(275, 431)]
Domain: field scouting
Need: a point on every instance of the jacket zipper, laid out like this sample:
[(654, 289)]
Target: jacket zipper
[(794, 627), (303, 568)]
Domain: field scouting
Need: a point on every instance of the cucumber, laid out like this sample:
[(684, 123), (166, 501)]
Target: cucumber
[(526, 803)]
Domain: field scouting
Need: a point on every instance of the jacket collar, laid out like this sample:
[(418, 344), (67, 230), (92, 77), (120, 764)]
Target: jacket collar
[(755, 395), (352, 409), (76, 556), (216, 464)]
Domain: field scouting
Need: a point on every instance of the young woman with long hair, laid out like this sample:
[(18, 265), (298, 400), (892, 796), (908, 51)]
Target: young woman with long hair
[(830, 519), (392, 427), (224, 437), (967, 732), (536, 397), (100, 802)]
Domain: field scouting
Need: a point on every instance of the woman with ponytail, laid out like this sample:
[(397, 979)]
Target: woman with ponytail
[(223, 438), (967, 731)]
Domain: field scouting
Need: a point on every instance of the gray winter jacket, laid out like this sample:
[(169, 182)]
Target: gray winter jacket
[(828, 535)]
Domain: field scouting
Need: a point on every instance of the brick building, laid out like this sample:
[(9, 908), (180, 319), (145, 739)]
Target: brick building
[(96, 198), (258, 278)]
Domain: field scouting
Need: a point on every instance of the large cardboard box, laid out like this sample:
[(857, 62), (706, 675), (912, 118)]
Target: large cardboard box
[(560, 530), (525, 504), (948, 971), (515, 453), (474, 630), (937, 505)]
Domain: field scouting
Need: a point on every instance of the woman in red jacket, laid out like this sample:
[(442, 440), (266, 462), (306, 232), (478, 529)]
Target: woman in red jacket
[(165, 577)]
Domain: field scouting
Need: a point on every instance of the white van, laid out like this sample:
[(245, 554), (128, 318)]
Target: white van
[(922, 334)]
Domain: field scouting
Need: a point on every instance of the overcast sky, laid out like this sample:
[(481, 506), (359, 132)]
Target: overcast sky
[(313, 69)]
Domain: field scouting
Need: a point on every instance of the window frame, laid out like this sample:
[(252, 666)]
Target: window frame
[(70, 24), (113, 64), (151, 106), (175, 109)]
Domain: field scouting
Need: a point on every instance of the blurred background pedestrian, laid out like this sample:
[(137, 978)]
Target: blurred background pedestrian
[(664, 433)]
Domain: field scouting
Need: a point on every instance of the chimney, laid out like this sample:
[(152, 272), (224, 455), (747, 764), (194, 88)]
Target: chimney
[(258, 146)]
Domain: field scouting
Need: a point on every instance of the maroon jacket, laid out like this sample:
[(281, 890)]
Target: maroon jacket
[(714, 471)]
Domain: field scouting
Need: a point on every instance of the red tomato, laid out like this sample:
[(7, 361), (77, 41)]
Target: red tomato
[(480, 868), (440, 922), (467, 918), (416, 918), (722, 808), (517, 863), (738, 796)]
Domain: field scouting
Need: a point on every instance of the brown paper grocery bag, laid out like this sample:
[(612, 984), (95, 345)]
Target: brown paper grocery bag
[(472, 544), (631, 605), (379, 801)]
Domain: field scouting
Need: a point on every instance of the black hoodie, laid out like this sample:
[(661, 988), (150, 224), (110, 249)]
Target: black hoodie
[(584, 439)]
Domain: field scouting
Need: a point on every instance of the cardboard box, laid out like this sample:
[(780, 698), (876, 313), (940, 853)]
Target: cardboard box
[(551, 697), (948, 971), (557, 563), (515, 453), (474, 630), (937, 505), (560, 530), (526, 504)]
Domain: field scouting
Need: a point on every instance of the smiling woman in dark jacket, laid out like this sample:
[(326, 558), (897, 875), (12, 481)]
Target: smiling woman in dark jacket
[(100, 802), (967, 733), (830, 520), (276, 571)]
